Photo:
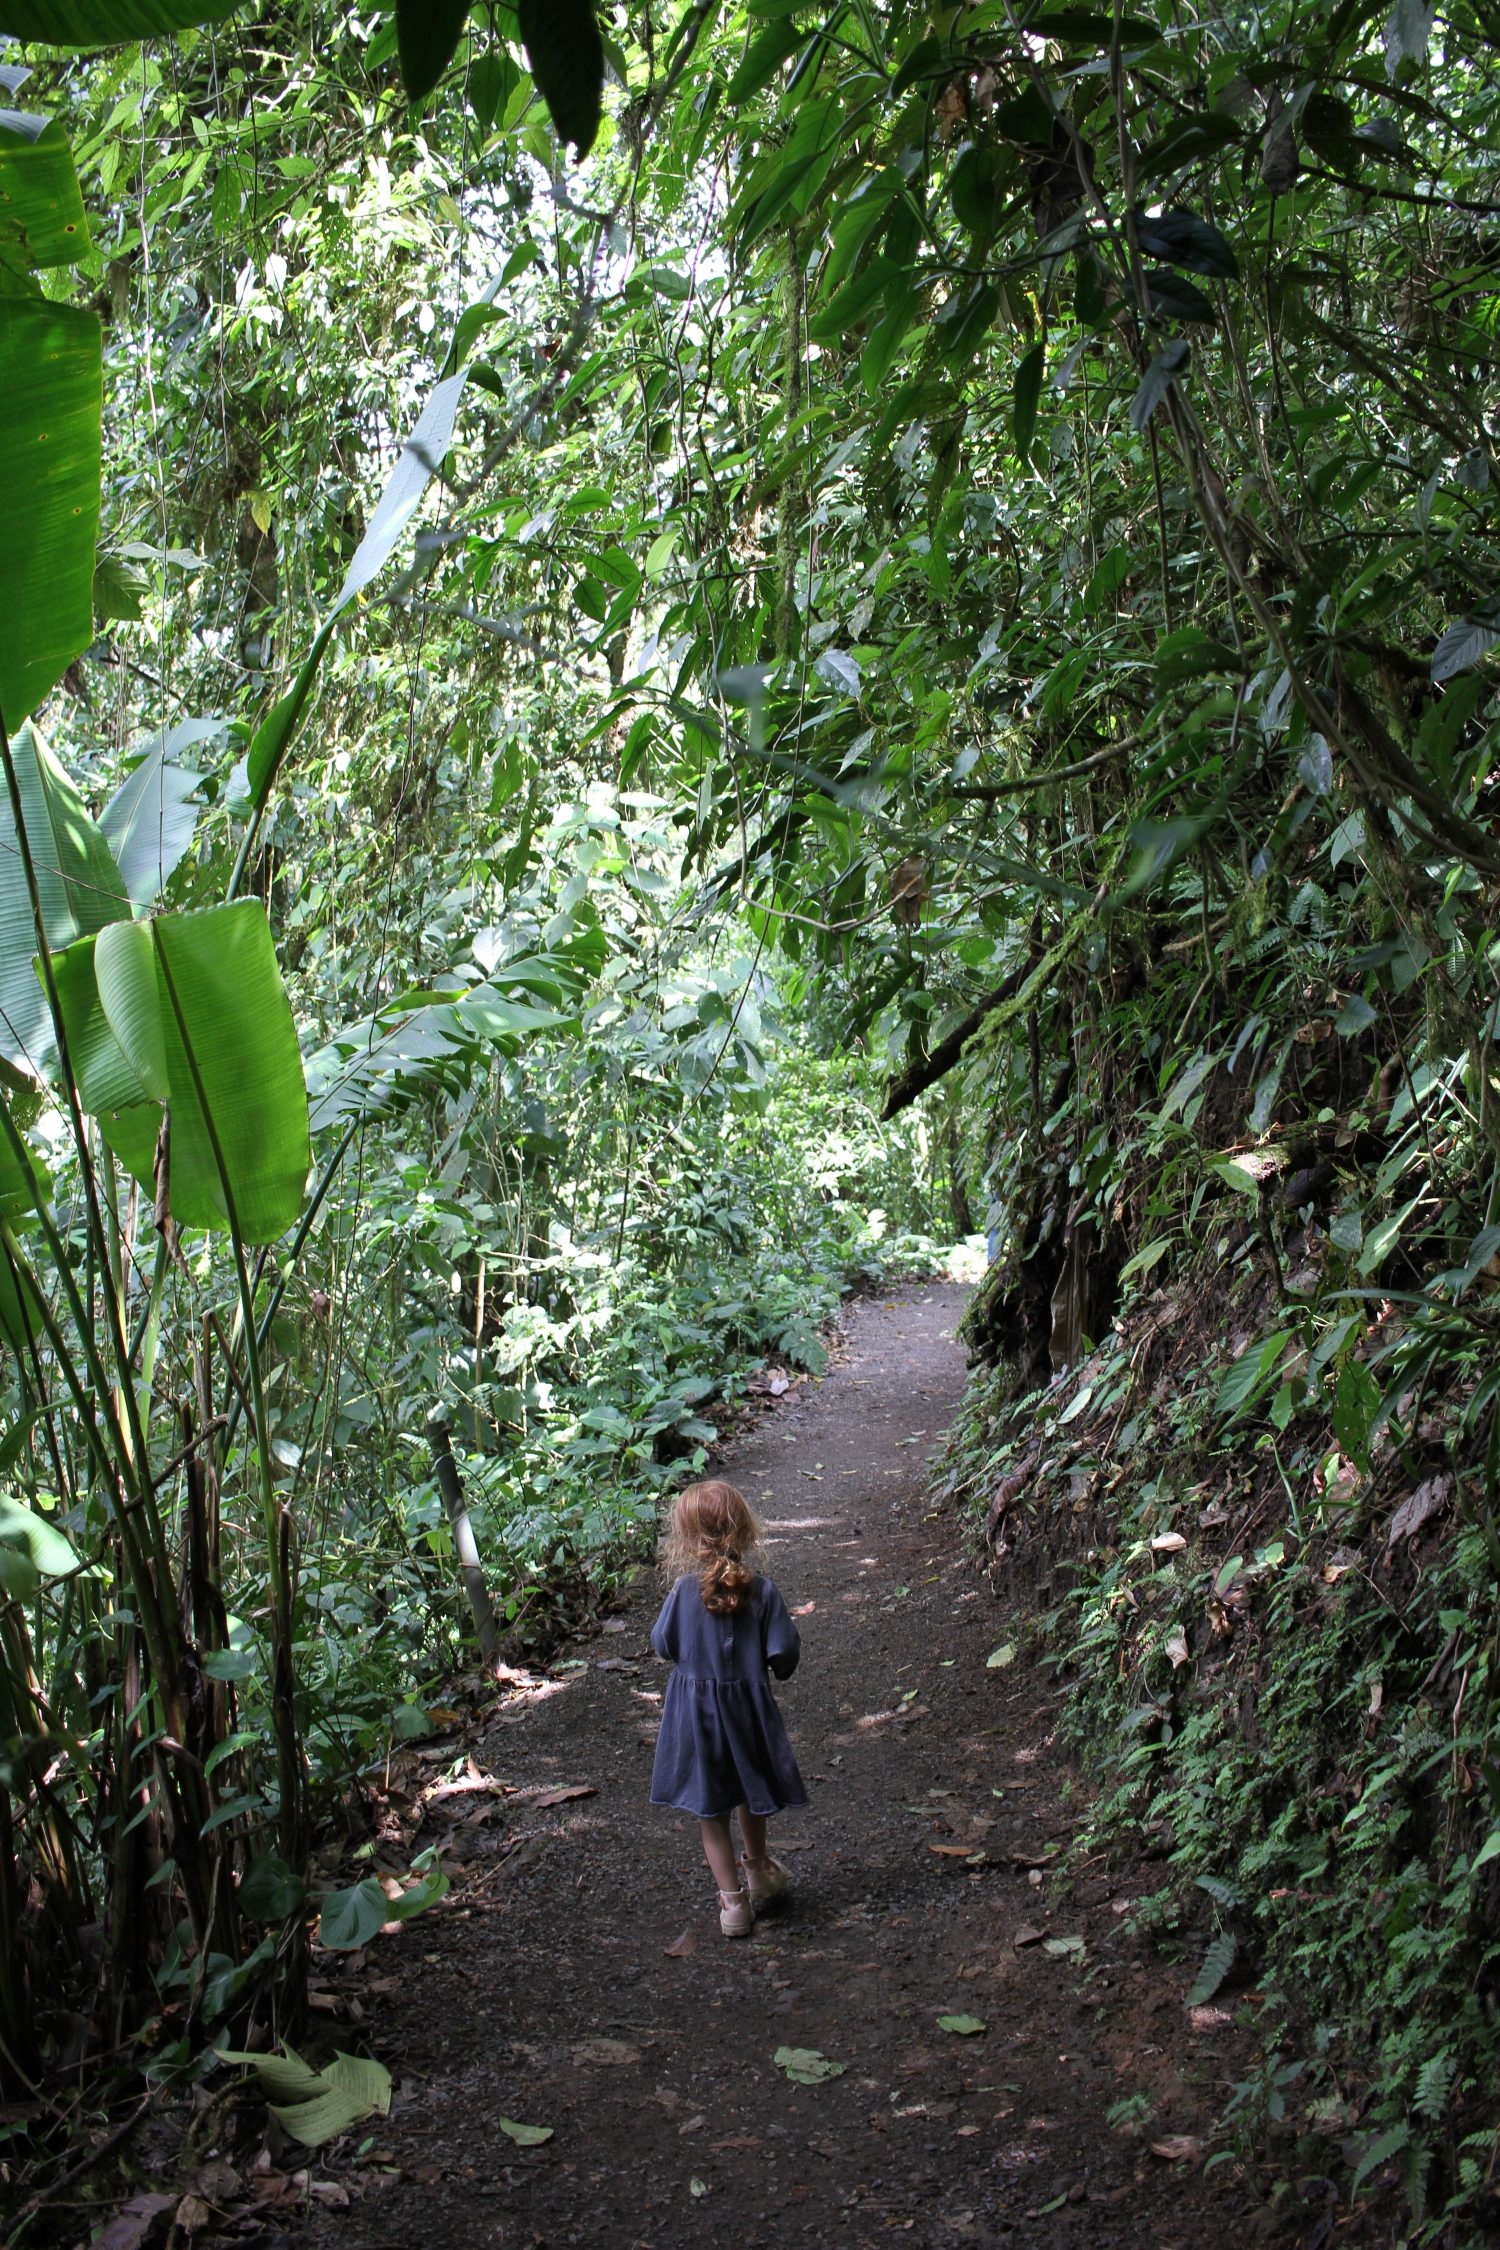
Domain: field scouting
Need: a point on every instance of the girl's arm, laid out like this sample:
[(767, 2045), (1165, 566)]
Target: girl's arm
[(783, 1641), (664, 1631)]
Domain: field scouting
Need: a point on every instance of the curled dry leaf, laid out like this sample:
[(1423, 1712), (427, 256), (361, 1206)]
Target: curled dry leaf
[(681, 1947), (1178, 2148), (1026, 1935)]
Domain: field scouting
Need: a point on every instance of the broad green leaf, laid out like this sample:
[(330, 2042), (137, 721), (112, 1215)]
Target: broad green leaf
[(963, 2027), (427, 36), (18, 1181), (105, 23), (1408, 30), (1026, 399), (566, 56), (270, 1890), (1462, 647), (1181, 238), (1251, 1371), (29, 1534), (351, 1917), (130, 993), (151, 819), (1157, 380), (80, 886), (42, 221), (1381, 1238), (420, 458), (228, 1006), (51, 382), (524, 2136), (768, 49), (315, 2105), (203, 1012)]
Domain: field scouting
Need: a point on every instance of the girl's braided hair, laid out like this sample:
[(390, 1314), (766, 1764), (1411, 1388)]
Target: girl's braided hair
[(713, 1531)]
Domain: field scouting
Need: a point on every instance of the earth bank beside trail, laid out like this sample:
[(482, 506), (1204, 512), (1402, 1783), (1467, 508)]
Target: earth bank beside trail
[(575, 1977)]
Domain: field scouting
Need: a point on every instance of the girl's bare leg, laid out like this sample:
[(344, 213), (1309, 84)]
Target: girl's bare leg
[(753, 1829), (718, 1850)]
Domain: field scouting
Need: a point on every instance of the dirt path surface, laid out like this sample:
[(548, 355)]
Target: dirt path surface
[(580, 1982)]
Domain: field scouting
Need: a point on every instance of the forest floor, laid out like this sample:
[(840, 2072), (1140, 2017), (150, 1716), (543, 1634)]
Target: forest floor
[(576, 1979)]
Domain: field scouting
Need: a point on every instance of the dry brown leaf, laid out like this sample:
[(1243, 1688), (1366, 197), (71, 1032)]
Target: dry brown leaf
[(1415, 1510), (954, 1851), (737, 2140), (131, 2224), (552, 1797), (1178, 2148), (1026, 1935), (193, 2215), (612, 2052), (681, 1947)]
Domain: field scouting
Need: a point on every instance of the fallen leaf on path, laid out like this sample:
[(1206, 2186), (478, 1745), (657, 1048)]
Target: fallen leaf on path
[(1415, 1510), (805, 2066), (681, 1947), (1210, 2019), (697, 2187), (614, 1664), (614, 1625), (955, 1851), (193, 2215), (128, 2229), (608, 2051), (552, 1797), (999, 1657), (1178, 2148), (1168, 1543), (1026, 1935), (736, 2141), (1063, 1947), (525, 2136), (804, 1609), (693, 2125), (966, 2027)]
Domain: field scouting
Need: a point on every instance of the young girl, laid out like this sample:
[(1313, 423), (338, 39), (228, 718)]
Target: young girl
[(723, 1747)]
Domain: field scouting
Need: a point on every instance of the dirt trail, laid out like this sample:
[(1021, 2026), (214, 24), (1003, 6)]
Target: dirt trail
[(552, 1997)]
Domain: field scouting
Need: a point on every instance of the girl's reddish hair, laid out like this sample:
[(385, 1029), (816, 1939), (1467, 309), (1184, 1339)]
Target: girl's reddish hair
[(712, 1531)]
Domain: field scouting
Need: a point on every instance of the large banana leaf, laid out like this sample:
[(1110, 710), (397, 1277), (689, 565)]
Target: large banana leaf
[(420, 458), (105, 23), (51, 382), (42, 220), (150, 820), (80, 886), (188, 1013)]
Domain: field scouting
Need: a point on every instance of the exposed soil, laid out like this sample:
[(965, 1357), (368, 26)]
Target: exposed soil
[(576, 1978)]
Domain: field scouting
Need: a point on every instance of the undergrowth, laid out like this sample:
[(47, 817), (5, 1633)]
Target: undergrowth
[(1276, 1627)]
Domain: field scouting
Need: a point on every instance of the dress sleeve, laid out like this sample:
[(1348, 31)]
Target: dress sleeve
[(664, 1636), (783, 1641)]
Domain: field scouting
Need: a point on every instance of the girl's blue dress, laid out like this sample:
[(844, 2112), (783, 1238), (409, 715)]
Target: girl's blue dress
[(723, 1742)]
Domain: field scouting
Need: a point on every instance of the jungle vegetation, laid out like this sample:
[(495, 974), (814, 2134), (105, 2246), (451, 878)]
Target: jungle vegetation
[(646, 655)]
